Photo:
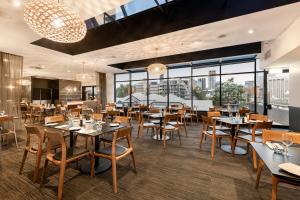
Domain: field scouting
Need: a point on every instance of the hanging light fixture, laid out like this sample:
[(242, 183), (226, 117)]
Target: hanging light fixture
[(83, 76), (157, 69), (54, 21)]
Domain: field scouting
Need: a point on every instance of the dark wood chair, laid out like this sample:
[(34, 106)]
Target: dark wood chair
[(214, 134), (33, 131), (275, 136), (62, 158), (115, 152)]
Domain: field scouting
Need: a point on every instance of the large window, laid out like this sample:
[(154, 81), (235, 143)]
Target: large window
[(201, 85)]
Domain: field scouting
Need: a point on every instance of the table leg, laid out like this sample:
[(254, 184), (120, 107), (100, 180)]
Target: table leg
[(71, 139), (101, 164), (228, 148)]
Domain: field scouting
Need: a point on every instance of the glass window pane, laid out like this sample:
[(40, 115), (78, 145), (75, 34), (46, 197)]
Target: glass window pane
[(139, 92), (139, 76), (180, 91), (203, 97), (122, 93), (238, 90), (158, 92), (239, 67), (278, 97), (180, 72), (260, 92), (204, 71), (151, 76), (122, 77)]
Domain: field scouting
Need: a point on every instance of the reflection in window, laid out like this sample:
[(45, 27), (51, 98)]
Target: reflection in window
[(139, 92), (238, 68), (122, 93)]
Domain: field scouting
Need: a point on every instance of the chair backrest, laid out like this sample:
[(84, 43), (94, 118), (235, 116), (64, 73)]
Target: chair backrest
[(124, 133), (32, 130), (154, 110), (55, 118), (121, 119), (54, 137), (6, 118), (208, 121), (97, 117), (113, 112), (213, 114), (171, 117), (143, 108), (243, 111), (258, 117), (260, 125), (276, 136)]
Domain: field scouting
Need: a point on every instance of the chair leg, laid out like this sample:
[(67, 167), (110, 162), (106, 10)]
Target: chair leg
[(213, 148), (114, 175), (164, 138), (86, 142), (274, 187), (92, 162), (178, 132), (37, 165), (133, 161), (201, 140), (185, 130), (44, 173), (23, 161), (16, 139), (259, 170), (254, 159), (61, 180)]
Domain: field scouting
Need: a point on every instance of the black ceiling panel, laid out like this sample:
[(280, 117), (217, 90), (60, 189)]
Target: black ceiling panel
[(176, 15)]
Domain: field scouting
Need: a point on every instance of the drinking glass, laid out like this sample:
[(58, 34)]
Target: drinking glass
[(238, 115), (287, 140)]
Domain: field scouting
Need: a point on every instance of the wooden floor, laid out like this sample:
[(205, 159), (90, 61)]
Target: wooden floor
[(179, 172)]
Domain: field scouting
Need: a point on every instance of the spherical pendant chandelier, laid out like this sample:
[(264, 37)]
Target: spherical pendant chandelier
[(54, 21), (157, 69)]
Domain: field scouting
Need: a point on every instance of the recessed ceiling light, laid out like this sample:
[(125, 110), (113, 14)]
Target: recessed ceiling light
[(68, 71), (5, 60), (17, 3), (250, 31)]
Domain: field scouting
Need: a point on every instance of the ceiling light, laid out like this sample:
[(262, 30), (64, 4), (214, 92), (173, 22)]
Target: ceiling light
[(17, 3), (83, 76), (5, 60), (54, 21), (157, 69), (250, 31), (68, 71)]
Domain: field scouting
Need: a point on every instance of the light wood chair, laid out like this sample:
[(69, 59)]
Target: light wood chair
[(112, 114), (167, 128), (214, 134), (256, 117), (252, 138), (212, 114), (275, 136), (131, 113), (97, 117), (181, 120), (33, 132), (10, 130), (29, 114), (115, 152), (243, 111), (145, 125), (76, 112), (122, 120), (53, 119), (37, 113), (66, 156)]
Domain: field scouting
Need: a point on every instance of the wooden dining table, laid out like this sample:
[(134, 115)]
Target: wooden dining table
[(273, 160), (101, 164)]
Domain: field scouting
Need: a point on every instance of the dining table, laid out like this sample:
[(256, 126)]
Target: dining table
[(272, 160), (234, 122), (101, 164)]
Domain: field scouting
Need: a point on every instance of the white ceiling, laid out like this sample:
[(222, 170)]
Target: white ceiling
[(15, 37)]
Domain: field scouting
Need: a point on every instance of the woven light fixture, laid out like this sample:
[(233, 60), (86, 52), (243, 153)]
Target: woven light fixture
[(54, 21), (157, 69), (83, 76)]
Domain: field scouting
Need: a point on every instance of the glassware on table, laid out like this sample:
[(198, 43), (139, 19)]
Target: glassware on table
[(287, 140), (238, 115), (2, 112)]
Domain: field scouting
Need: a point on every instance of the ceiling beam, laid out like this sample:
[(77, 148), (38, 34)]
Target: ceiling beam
[(237, 50)]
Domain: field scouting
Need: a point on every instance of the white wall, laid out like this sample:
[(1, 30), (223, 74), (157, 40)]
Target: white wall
[(294, 84), (110, 87)]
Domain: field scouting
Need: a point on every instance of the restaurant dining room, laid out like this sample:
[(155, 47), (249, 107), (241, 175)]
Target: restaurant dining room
[(149, 99)]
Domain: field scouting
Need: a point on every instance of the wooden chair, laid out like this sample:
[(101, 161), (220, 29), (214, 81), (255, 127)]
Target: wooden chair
[(37, 113), (66, 156), (166, 128), (145, 125), (217, 114), (29, 114), (275, 136), (214, 133), (11, 128), (122, 120), (115, 152), (76, 112), (191, 113), (112, 114), (97, 117), (131, 114), (255, 117), (243, 111), (252, 138), (53, 119), (181, 121), (33, 132)]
